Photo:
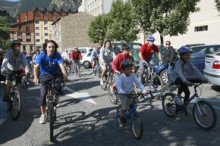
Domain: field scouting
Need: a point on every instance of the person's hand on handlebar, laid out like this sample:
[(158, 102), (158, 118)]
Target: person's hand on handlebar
[(145, 93), (118, 72)]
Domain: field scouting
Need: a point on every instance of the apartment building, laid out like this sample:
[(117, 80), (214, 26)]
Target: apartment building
[(33, 28)]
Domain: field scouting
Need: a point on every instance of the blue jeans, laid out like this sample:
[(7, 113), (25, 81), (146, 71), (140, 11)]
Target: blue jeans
[(169, 69)]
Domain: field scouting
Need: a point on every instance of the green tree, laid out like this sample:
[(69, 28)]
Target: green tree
[(167, 17), (217, 4), (4, 31), (122, 25), (97, 29)]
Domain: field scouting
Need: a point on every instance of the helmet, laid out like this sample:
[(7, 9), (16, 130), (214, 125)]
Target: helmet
[(126, 63), (183, 50), (15, 42), (151, 38)]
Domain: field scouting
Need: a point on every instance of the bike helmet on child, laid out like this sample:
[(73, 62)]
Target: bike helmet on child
[(151, 38), (126, 63), (15, 42), (183, 50)]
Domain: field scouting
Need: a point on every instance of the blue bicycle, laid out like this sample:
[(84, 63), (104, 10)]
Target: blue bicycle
[(136, 122)]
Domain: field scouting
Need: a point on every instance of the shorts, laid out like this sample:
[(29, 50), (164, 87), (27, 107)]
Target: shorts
[(126, 102), (11, 73), (103, 66)]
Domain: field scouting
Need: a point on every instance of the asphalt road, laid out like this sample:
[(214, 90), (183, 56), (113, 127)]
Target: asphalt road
[(87, 117)]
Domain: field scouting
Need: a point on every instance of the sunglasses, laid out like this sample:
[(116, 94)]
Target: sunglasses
[(167, 44)]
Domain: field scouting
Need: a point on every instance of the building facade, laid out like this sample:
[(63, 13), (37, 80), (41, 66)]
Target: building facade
[(72, 31), (33, 28)]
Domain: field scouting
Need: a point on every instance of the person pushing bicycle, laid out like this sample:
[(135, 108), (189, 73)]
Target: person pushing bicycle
[(184, 74), (125, 86), (51, 66), (12, 64)]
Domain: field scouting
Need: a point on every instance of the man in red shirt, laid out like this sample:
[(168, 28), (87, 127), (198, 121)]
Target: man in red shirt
[(116, 64), (76, 56), (146, 52)]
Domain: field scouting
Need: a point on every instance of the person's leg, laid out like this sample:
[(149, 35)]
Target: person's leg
[(141, 68), (7, 85), (113, 87), (124, 106)]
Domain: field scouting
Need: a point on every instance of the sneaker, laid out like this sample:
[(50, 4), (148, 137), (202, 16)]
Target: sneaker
[(42, 119), (121, 122), (101, 82), (178, 100)]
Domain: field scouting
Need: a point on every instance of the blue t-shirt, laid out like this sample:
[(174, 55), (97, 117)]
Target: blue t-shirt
[(49, 65), (28, 58)]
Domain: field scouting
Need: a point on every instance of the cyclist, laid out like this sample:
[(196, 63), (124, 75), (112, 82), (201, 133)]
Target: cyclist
[(169, 58), (146, 52), (36, 55), (95, 56), (107, 55), (2, 77), (50, 63), (12, 64), (66, 59), (76, 56), (116, 64), (125, 85), (184, 74)]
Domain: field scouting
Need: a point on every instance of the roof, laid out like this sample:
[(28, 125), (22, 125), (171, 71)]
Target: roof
[(56, 10)]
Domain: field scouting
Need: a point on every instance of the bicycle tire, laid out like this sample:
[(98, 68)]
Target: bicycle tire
[(137, 126), (16, 105), (112, 96), (170, 107), (205, 116), (51, 118)]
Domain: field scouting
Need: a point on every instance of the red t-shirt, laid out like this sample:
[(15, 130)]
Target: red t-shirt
[(148, 51), (116, 64), (76, 55)]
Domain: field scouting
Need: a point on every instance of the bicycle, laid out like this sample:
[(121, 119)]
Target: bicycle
[(107, 78), (14, 97), (151, 79), (136, 122), (201, 109), (52, 99), (77, 67), (112, 96)]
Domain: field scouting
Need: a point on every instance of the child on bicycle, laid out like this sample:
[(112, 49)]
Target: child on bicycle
[(184, 74), (125, 86)]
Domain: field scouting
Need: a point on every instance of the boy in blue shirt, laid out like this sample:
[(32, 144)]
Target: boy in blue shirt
[(50, 63)]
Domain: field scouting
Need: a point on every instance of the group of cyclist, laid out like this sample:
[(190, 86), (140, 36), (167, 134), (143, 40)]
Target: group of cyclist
[(51, 65)]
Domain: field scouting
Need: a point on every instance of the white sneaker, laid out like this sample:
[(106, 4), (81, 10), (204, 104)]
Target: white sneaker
[(101, 82), (42, 119), (178, 100), (57, 101)]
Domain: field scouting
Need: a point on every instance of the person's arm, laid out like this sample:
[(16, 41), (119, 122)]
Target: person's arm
[(63, 72), (115, 63), (159, 56), (141, 51)]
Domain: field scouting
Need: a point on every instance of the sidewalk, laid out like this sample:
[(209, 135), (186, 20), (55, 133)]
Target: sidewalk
[(3, 105)]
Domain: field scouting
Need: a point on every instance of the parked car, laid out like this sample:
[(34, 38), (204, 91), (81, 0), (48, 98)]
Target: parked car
[(86, 60), (212, 68), (199, 52)]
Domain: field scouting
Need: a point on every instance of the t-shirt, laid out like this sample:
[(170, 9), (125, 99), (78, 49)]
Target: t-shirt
[(116, 64), (49, 65), (148, 51)]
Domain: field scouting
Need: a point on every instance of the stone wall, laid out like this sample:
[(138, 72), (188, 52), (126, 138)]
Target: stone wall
[(74, 30)]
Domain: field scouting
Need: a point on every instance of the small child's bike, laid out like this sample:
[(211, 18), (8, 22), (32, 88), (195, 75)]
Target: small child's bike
[(136, 122)]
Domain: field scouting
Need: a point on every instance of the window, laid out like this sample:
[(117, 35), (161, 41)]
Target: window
[(19, 28), (24, 48), (36, 14), (37, 28), (27, 27), (201, 28), (45, 28), (37, 34), (46, 40), (31, 48), (37, 22), (45, 22), (45, 16), (45, 34), (37, 40), (28, 37)]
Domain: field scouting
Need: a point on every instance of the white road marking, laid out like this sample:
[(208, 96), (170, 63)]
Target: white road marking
[(84, 96)]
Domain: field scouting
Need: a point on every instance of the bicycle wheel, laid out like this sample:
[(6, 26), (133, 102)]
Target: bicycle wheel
[(204, 115), (51, 119), (144, 76), (137, 126), (16, 105), (104, 85), (169, 105), (112, 96)]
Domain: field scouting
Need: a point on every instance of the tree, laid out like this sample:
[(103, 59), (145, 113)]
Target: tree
[(4, 31), (98, 28), (122, 25), (167, 17), (217, 4)]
